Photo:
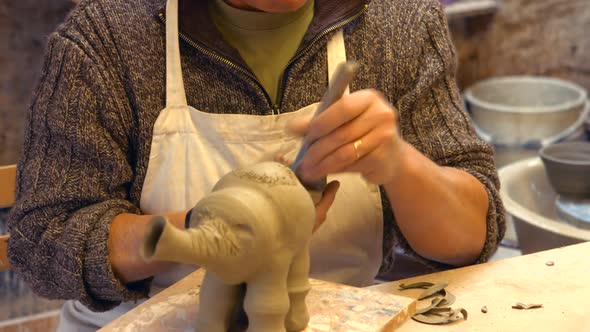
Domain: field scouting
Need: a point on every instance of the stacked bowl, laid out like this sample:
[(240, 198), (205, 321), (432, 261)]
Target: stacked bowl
[(523, 117), (521, 114)]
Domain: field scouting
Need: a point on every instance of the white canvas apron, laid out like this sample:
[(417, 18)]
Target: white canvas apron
[(191, 150)]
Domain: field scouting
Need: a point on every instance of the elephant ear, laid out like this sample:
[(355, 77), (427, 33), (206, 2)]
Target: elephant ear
[(221, 233)]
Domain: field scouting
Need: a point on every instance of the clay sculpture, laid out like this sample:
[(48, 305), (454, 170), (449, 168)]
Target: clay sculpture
[(253, 228)]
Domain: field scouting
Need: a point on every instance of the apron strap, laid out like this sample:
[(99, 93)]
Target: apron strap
[(175, 95), (336, 55)]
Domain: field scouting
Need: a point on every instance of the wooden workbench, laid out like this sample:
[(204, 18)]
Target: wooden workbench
[(563, 289), (332, 308)]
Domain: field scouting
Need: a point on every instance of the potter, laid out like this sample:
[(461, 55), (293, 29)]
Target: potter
[(144, 106)]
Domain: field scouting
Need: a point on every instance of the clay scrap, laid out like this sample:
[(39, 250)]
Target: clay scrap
[(439, 310), (522, 306)]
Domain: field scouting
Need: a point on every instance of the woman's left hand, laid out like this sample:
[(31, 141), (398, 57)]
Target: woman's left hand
[(358, 133)]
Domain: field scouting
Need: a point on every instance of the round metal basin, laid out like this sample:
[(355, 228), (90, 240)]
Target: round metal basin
[(530, 200)]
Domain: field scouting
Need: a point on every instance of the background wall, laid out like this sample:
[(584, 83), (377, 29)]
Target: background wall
[(24, 25), (537, 37)]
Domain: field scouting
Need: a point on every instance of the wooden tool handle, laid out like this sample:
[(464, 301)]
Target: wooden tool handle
[(342, 77)]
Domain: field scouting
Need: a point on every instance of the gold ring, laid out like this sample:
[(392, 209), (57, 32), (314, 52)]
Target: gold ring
[(357, 145)]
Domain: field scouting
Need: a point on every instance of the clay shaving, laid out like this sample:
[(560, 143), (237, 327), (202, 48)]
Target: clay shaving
[(433, 290), (438, 312), (423, 285), (433, 305), (448, 300), (452, 316), (522, 306)]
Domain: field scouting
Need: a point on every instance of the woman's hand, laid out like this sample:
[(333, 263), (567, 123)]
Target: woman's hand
[(358, 133)]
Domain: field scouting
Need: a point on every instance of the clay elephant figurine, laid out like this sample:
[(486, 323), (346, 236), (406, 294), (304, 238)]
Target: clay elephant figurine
[(253, 228)]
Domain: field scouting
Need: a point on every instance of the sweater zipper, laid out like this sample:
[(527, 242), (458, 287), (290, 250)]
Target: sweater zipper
[(299, 54), (275, 108), (223, 60)]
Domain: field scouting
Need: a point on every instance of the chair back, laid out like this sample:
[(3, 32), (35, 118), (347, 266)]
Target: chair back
[(7, 191)]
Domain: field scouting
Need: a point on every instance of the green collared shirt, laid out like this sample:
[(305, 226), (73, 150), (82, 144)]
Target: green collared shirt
[(266, 41)]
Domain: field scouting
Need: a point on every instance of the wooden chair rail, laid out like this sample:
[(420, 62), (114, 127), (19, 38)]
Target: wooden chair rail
[(7, 185), (4, 266), (7, 191)]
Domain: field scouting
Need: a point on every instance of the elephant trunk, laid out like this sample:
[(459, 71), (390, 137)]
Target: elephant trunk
[(201, 245)]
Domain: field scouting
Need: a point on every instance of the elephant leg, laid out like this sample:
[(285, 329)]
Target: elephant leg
[(298, 287), (217, 301), (267, 301)]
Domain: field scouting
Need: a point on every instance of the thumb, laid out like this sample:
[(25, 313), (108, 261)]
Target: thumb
[(325, 203)]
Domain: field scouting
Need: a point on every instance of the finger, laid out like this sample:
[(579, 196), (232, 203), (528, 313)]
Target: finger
[(343, 158), (325, 203), (282, 159), (365, 165), (373, 150), (299, 125), (349, 132), (342, 111)]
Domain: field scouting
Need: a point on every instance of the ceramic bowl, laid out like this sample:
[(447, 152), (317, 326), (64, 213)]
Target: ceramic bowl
[(568, 167)]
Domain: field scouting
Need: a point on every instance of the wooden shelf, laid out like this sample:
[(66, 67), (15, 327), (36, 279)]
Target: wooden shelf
[(467, 8)]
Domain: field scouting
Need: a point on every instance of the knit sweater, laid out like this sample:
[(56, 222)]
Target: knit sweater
[(90, 122)]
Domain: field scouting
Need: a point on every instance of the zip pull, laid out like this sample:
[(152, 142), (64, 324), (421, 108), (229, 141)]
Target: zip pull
[(276, 109)]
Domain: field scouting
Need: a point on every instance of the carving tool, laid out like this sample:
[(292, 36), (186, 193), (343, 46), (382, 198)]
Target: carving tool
[(341, 78)]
